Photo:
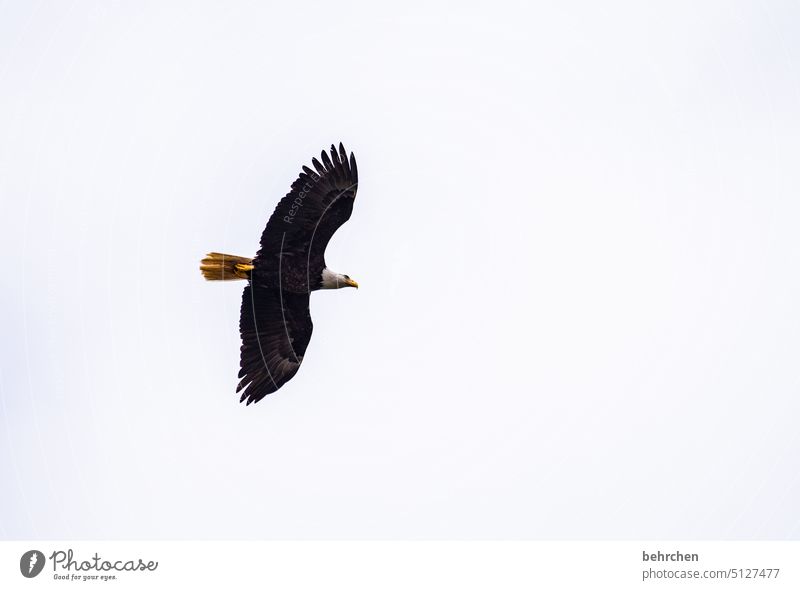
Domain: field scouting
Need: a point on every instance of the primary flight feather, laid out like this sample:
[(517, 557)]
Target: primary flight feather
[(275, 322)]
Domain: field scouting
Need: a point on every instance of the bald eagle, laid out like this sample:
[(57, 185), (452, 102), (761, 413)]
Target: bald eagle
[(275, 323)]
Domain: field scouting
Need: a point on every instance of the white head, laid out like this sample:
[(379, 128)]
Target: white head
[(334, 280)]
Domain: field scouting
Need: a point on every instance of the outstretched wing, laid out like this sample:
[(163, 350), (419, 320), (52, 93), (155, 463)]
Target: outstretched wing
[(276, 327), (319, 202)]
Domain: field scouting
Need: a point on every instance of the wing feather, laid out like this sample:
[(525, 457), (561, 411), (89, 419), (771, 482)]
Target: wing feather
[(327, 161)]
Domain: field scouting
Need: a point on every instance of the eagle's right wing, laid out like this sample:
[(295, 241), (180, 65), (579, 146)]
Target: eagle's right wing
[(304, 221)]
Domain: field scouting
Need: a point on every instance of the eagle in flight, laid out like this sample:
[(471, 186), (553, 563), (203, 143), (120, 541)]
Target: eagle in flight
[(275, 322)]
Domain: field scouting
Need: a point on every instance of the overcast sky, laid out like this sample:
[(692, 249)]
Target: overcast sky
[(576, 236)]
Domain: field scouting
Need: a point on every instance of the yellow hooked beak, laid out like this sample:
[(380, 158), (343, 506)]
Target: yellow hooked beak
[(351, 283)]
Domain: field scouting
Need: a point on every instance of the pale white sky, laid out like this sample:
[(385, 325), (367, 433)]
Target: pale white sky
[(576, 235)]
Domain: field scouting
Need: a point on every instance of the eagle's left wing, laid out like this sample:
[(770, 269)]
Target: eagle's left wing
[(276, 327)]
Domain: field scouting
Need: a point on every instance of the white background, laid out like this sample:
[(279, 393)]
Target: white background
[(576, 235)]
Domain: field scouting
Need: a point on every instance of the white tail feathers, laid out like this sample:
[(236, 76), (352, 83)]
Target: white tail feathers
[(225, 267)]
